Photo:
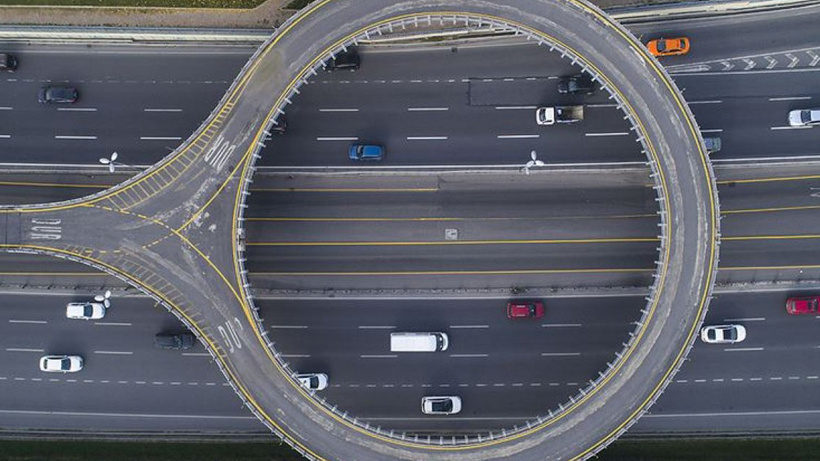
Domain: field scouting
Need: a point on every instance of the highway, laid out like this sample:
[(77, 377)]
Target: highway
[(719, 103)]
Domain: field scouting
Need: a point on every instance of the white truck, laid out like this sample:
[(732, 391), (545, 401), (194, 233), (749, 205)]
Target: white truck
[(559, 114)]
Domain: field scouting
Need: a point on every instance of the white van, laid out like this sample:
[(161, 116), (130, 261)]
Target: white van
[(418, 342)]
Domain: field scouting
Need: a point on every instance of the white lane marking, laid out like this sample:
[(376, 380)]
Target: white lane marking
[(160, 138), (518, 136), (338, 110), (77, 109), (736, 380), (162, 110), (517, 107), (560, 325), (468, 356), (5, 136), (196, 354), (594, 106), (376, 356), (114, 352), (157, 382), (794, 377), (295, 356), (606, 134), (427, 109), (376, 327), (776, 378), (713, 101), (790, 128), (682, 381), (289, 327), (113, 324), (336, 138), (713, 130), (791, 98), (427, 138), (560, 354), (29, 321), (76, 137), (742, 349), (123, 415), (425, 167), (755, 379), (6, 108), (746, 319), (458, 418), (717, 380), (20, 349), (811, 377), (469, 326)]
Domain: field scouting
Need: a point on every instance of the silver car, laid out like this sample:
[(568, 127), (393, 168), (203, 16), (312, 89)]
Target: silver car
[(61, 363), (804, 117), (85, 311), (723, 334), (440, 405)]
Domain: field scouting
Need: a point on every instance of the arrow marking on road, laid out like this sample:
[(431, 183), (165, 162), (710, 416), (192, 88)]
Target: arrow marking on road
[(794, 59)]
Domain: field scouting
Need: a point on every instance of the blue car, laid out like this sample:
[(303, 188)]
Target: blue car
[(366, 152)]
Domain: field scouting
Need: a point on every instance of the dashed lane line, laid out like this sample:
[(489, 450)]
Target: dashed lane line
[(746, 319), (114, 352), (22, 349), (113, 324), (743, 349), (124, 415), (38, 322)]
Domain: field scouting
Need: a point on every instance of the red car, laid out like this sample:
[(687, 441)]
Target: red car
[(525, 309), (803, 305)]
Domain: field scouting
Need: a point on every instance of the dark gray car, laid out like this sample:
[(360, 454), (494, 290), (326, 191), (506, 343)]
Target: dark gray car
[(58, 94), (576, 84), (183, 340), (8, 62)]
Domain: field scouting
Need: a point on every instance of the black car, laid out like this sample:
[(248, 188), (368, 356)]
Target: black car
[(184, 340), (347, 60), (576, 84), (8, 62), (56, 94)]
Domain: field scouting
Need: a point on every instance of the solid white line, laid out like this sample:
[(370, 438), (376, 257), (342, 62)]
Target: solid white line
[(714, 130), (113, 324), (741, 413), (28, 321), (742, 349), (162, 110), (6, 108), (121, 415), (290, 327), (15, 349), (517, 107), (594, 106), (114, 352), (456, 356), (5, 136), (516, 167), (713, 101), (745, 72), (469, 326), (77, 109), (426, 138), (341, 138), (559, 325), (518, 136), (746, 319), (76, 137), (376, 327), (560, 354), (160, 138), (427, 109), (792, 98), (790, 128), (385, 356), (196, 354), (606, 134), (338, 110)]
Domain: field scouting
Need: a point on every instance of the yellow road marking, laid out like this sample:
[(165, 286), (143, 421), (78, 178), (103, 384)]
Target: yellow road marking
[(772, 237), (438, 219), (770, 179), (771, 210), (456, 272)]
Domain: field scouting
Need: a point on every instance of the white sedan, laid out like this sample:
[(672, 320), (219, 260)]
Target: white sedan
[(440, 405), (804, 117), (723, 334), (313, 381), (85, 311), (61, 363)]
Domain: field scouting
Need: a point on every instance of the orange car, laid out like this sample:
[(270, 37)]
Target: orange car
[(668, 46)]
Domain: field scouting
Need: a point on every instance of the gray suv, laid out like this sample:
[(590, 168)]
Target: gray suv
[(184, 340), (58, 94)]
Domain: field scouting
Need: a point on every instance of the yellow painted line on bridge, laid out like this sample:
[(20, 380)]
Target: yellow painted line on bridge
[(771, 237), (461, 242), (434, 219), (769, 179), (770, 210), (771, 268)]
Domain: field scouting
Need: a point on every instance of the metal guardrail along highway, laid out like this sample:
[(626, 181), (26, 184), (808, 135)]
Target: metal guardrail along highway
[(175, 231)]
